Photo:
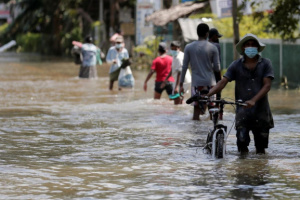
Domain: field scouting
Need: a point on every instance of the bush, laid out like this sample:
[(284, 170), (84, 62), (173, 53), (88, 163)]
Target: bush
[(29, 42), (145, 53), (41, 43), (3, 27), (67, 38)]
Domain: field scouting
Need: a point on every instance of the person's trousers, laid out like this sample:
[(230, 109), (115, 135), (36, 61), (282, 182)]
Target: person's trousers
[(261, 137), (88, 72)]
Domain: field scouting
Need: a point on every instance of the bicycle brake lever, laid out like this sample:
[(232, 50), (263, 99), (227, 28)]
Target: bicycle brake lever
[(241, 103)]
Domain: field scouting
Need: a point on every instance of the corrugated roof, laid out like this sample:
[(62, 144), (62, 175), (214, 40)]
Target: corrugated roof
[(189, 28), (162, 17)]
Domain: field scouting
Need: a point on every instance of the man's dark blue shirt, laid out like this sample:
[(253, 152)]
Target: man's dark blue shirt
[(247, 84)]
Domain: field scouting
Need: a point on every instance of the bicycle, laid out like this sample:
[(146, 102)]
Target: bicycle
[(217, 137)]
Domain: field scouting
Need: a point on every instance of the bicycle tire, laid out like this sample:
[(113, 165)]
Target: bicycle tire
[(219, 145), (208, 146)]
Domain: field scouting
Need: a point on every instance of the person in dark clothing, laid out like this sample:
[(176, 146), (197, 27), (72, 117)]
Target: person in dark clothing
[(213, 37), (253, 76)]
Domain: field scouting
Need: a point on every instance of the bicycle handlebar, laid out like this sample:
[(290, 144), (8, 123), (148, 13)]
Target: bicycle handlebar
[(222, 101), (206, 100)]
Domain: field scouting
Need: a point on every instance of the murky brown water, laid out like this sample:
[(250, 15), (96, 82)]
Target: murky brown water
[(62, 137)]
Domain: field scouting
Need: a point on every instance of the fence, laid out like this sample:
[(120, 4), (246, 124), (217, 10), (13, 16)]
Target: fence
[(285, 58)]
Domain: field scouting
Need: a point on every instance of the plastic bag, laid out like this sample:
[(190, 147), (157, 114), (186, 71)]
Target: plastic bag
[(125, 78)]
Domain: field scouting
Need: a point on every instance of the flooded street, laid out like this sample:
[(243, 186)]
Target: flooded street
[(62, 137)]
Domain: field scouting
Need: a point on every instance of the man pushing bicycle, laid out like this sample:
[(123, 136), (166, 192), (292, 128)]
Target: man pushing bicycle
[(253, 76)]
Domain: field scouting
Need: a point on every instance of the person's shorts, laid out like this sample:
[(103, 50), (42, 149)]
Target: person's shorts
[(168, 87), (199, 89)]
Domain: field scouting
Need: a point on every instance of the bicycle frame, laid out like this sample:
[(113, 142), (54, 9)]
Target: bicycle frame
[(219, 130), (216, 139)]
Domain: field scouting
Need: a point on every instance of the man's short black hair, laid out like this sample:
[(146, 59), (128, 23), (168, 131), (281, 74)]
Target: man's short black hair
[(202, 30), (88, 39), (162, 47)]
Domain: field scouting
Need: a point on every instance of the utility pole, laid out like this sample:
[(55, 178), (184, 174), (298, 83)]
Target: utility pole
[(112, 17), (101, 11), (236, 32), (102, 30)]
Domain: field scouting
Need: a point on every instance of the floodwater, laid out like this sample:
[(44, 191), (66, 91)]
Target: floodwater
[(62, 137)]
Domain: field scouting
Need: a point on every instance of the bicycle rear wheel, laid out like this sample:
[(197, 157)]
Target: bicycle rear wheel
[(219, 145)]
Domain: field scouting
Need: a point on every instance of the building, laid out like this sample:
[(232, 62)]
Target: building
[(4, 14)]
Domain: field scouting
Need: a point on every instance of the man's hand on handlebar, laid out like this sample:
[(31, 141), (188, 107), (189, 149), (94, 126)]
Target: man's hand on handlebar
[(250, 103), (204, 96)]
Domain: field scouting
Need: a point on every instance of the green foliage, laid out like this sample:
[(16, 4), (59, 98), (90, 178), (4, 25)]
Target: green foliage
[(3, 27), (248, 24), (282, 23), (145, 53), (29, 42), (96, 23), (39, 43), (149, 46), (68, 37), (203, 15), (57, 22), (285, 18)]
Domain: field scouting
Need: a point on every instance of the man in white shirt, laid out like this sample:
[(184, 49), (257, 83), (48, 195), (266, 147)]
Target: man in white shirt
[(178, 55)]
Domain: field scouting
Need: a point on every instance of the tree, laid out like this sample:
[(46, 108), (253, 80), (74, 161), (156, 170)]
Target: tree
[(54, 20), (285, 18), (236, 31)]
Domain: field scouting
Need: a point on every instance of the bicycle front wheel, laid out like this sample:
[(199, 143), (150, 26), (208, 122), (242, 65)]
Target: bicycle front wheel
[(219, 145)]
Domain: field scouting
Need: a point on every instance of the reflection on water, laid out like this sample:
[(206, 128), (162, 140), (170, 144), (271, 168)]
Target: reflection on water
[(67, 138)]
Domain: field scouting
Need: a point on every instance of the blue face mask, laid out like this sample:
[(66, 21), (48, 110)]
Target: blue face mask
[(118, 46), (174, 53), (251, 52)]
